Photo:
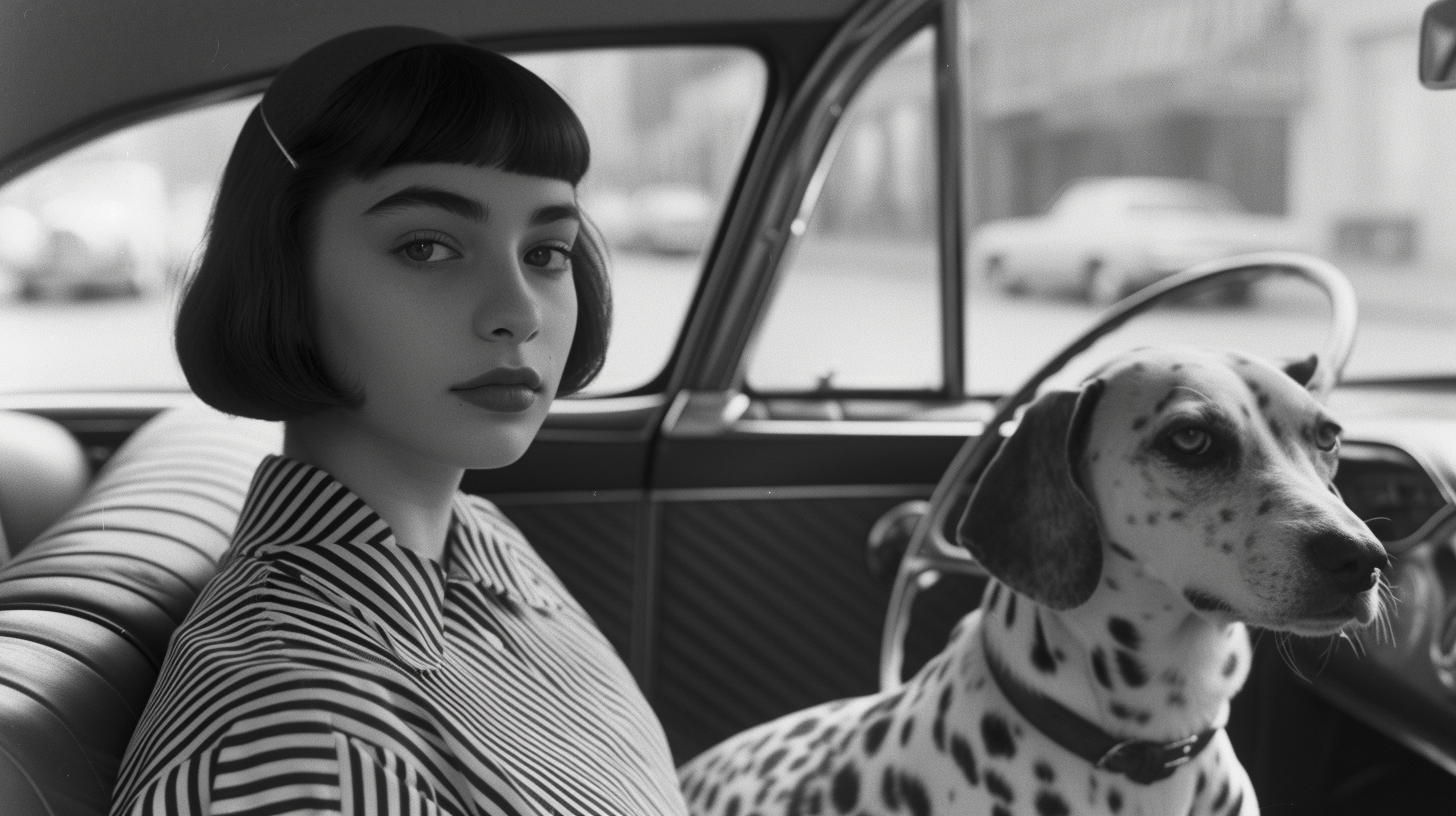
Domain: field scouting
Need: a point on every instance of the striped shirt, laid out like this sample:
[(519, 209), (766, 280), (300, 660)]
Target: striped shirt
[(327, 670)]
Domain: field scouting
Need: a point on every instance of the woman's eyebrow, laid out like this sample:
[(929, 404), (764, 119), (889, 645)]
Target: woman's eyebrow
[(419, 195), (555, 212)]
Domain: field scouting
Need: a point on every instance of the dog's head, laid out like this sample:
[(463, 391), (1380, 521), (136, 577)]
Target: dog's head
[(1210, 471)]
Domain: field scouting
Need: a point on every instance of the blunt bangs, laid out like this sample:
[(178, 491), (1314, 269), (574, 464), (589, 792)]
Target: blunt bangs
[(451, 105)]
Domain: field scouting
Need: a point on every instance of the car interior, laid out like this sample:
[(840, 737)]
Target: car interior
[(808, 341)]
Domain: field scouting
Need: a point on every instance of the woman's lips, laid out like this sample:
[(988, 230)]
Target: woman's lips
[(506, 390), (510, 399)]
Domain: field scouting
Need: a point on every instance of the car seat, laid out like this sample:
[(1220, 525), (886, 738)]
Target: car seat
[(43, 471), (87, 610)]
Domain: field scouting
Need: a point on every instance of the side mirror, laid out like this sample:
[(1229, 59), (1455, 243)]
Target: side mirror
[(1438, 45)]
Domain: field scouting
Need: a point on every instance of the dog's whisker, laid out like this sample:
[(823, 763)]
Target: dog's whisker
[(1376, 518)]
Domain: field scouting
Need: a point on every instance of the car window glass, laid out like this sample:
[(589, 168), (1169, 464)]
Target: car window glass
[(94, 243), (1114, 144), (857, 303)]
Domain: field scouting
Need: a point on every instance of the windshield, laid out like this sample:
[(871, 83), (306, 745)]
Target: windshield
[(1234, 127)]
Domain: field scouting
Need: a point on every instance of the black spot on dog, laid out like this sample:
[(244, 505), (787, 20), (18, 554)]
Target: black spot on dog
[(875, 734), (1222, 797), (1041, 656), (1176, 515), (1099, 668), (1244, 409), (1152, 519), (844, 790), (1177, 700), (1121, 550), (1265, 506), (1177, 367), (1114, 800), (1011, 611), (1231, 665), (889, 790), (1139, 423), (965, 759), (1000, 810), (1206, 601), (937, 729), (1263, 401), (1237, 807), (1124, 632), (731, 809), (999, 787), (1276, 430), (1200, 783), (805, 726), (912, 792), (1131, 669), (1044, 771), (1122, 712), (1227, 547), (996, 734), (1050, 804), (1227, 514), (697, 789), (1131, 519), (712, 797), (771, 761), (994, 596), (906, 730)]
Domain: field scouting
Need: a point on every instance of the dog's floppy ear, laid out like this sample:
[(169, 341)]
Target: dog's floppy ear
[(1302, 371), (1029, 523)]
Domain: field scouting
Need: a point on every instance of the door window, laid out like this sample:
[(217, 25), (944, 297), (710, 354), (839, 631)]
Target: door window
[(94, 243), (857, 303)]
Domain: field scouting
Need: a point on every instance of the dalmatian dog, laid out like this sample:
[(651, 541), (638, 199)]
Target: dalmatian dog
[(1133, 528)]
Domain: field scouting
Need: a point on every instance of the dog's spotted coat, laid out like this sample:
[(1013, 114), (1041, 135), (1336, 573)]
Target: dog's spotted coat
[(1194, 540)]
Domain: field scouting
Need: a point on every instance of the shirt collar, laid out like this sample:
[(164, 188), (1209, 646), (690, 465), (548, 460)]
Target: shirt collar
[(302, 519)]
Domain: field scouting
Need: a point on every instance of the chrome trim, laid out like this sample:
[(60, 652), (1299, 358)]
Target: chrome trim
[(857, 427), (792, 492), (697, 414)]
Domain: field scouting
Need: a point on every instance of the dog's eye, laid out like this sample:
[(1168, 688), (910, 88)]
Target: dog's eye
[(1191, 441), (1327, 436)]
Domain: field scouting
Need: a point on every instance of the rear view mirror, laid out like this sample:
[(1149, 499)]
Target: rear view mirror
[(1438, 45)]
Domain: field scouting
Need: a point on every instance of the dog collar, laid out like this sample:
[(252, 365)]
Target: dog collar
[(1142, 761)]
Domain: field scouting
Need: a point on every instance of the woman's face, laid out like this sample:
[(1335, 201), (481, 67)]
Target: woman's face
[(444, 293)]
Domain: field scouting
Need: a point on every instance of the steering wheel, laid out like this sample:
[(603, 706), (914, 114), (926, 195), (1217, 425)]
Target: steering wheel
[(930, 550)]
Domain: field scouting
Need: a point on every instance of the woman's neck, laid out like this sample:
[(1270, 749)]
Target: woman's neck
[(414, 496)]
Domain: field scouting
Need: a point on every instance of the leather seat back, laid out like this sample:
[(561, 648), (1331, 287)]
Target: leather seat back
[(87, 610)]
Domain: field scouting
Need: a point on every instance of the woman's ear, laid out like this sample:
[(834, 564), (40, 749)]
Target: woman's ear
[(1029, 522)]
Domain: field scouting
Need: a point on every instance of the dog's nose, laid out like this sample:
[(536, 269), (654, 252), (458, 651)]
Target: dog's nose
[(1351, 561)]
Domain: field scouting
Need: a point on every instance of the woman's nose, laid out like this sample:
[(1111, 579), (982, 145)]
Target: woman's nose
[(507, 311)]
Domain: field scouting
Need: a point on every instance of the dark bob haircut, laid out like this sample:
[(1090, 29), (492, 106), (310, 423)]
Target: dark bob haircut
[(244, 333)]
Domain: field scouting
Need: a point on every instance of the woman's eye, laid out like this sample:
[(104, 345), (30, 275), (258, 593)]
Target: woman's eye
[(1327, 436), (550, 258), (426, 250), (1192, 441)]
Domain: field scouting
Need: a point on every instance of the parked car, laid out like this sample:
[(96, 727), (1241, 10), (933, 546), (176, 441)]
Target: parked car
[(716, 528), (1103, 238)]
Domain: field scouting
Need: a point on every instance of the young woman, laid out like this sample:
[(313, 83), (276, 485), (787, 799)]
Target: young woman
[(397, 270)]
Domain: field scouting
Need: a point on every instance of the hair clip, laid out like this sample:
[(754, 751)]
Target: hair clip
[(276, 140)]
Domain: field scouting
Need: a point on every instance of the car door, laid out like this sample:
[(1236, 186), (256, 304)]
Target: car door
[(822, 390)]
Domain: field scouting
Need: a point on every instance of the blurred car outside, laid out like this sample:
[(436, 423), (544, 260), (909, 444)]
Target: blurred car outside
[(85, 230), (1106, 237)]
